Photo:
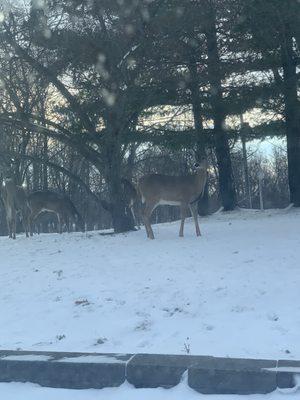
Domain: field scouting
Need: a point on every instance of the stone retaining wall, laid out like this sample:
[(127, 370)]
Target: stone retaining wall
[(209, 375)]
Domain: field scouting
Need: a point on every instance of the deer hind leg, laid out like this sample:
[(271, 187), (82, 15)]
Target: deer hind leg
[(25, 225), (25, 222), (14, 224), (146, 215), (8, 221), (137, 210), (183, 214), (59, 221), (138, 218), (11, 224), (28, 225), (68, 220), (10, 228), (194, 211), (32, 216), (133, 214)]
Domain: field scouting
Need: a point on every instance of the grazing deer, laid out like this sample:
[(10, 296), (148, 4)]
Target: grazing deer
[(132, 199), (58, 204), (182, 191), (15, 201)]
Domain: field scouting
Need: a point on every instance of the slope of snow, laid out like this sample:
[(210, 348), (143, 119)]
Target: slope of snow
[(232, 292)]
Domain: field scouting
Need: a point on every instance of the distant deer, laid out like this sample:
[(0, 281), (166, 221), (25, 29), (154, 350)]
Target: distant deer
[(132, 199), (58, 204), (182, 191), (15, 201)]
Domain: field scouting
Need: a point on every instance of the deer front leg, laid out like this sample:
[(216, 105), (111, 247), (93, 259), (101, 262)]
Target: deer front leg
[(194, 211), (183, 213), (137, 211), (59, 224), (147, 214), (136, 222)]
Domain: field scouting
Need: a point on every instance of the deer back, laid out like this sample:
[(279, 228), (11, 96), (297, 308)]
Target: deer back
[(46, 200), (177, 189)]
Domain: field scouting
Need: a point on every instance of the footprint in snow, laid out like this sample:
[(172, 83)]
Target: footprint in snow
[(100, 341), (143, 326), (241, 309), (273, 317), (209, 327)]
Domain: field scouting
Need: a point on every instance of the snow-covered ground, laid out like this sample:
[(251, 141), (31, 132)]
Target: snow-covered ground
[(28, 391), (232, 292)]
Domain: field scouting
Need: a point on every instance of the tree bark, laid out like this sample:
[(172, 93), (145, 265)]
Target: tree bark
[(226, 182), (121, 216), (45, 148), (45, 167), (292, 115), (203, 205)]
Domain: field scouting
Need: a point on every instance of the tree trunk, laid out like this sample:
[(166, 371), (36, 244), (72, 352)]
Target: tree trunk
[(226, 182), (121, 216), (292, 115), (131, 161), (45, 148), (203, 205), (35, 176), (44, 166)]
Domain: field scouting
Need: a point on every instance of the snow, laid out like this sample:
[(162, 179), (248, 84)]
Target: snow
[(295, 370), (20, 391), (27, 357), (92, 359), (232, 292)]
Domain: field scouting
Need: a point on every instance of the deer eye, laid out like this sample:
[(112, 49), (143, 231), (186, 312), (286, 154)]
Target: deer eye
[(196, 165)]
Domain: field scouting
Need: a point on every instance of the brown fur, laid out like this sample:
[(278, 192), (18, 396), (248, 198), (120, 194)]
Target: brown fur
[(15, 201), (183, 191), (58, 204)]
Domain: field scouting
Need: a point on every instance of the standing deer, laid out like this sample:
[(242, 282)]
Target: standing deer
[(182, 191), (15, 201), (58, 204)]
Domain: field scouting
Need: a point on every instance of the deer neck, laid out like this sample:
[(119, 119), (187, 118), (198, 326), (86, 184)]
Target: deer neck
[(200, 179)]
